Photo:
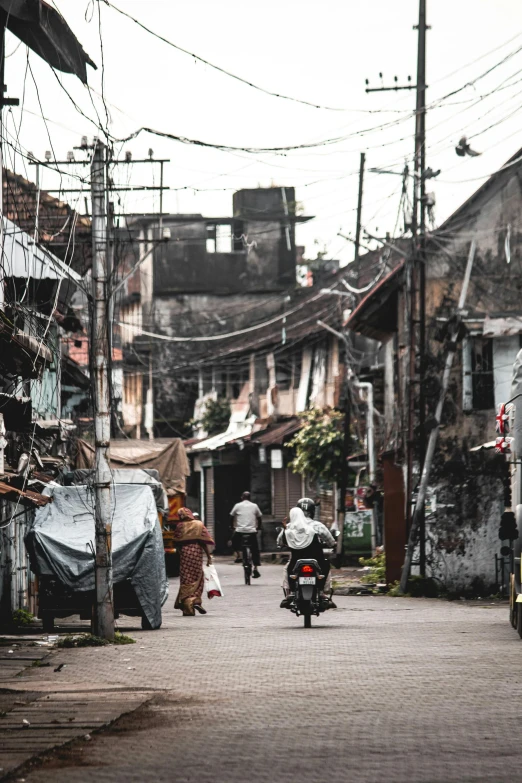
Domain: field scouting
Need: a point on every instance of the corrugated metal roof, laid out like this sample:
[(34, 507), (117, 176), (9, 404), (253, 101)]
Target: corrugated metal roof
[(24, 258), (233, 433), (358, 320), (276, 434), (33, 498)]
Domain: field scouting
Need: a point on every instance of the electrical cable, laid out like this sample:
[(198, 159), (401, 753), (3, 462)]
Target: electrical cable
[(218, 68)]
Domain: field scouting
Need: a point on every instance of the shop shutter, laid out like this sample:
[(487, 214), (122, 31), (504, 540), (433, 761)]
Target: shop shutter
[(286, 491), (279, 504), (295, 490)]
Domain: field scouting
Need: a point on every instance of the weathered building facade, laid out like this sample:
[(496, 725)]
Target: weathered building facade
[(203, 276), (36, 385), (466, 485)]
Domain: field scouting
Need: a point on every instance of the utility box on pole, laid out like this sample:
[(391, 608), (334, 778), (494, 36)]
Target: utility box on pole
[(100, 345)]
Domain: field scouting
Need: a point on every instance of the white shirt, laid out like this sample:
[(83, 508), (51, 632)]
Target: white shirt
[(246, 515), (325, 537)]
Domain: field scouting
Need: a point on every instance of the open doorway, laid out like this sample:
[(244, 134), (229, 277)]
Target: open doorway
[(229, 482)]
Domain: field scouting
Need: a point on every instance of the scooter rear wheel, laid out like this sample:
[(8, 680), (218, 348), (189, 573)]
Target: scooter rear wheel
[(307, 620)]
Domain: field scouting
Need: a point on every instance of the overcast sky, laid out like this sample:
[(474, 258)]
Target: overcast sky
[(320, 52)]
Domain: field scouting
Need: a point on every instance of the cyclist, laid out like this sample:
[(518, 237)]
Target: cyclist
[(246, 521)]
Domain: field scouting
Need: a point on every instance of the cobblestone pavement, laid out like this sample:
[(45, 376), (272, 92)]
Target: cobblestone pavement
[(383, 689)]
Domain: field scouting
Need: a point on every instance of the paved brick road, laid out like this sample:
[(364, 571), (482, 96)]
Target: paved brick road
[(380, 690)]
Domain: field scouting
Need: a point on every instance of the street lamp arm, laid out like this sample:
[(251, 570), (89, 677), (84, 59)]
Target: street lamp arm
[(386, 244), (329, 328)]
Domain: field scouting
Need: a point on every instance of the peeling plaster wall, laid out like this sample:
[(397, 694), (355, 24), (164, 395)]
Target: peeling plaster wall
[(463, 533), (463, 536)]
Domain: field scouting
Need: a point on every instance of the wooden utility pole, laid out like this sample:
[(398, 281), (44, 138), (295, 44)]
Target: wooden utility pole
[(420, 255), (346, 453), (415, 293), (416, 290), (104, 608), (359, 208)]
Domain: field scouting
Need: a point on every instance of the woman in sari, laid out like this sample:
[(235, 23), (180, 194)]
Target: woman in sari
[(192, 539)]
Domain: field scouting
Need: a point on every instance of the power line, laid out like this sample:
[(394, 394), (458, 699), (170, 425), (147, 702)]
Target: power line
[(219, 69)]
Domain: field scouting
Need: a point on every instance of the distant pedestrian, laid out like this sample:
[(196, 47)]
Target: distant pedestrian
[(246, 520), (192, 539)]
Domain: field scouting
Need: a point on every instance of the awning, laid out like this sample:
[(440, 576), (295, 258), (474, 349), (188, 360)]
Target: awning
[(276, 435), (25, 496), (21, 353), (234, 432), (47, 33), (24, 258), (508, 326), (376, 314), (56, 424), (490, 444), (34, 345), (73, 375), (166, 455)]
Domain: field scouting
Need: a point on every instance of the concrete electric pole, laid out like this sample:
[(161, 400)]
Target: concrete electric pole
[(104, 608), (359, 208), (420, 256)]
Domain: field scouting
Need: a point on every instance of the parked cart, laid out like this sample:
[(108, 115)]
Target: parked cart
[(60, 543)]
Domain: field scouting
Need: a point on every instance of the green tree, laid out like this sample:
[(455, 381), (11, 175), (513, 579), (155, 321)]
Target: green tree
[(216, 416), (319, 445)]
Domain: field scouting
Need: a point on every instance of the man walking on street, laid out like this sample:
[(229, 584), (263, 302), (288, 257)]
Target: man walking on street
[(246, 521)]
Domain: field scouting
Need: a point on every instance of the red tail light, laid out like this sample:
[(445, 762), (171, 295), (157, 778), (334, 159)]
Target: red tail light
[(306, 569)]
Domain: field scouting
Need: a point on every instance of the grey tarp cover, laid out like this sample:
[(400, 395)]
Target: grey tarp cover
[(166, 455), (130, 476), (61, 538)]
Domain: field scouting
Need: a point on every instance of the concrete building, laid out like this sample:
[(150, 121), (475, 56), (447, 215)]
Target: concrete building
[(202, 276)]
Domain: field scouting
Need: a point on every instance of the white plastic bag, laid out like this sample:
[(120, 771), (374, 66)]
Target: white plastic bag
[(212, 583)]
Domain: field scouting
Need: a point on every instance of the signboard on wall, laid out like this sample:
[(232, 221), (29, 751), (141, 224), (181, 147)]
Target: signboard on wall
[(276, 459), (357, 534)]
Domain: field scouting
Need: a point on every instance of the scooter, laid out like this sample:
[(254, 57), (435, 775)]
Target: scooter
[(307, 599)]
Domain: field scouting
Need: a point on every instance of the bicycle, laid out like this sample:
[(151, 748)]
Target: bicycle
[(246, 554)]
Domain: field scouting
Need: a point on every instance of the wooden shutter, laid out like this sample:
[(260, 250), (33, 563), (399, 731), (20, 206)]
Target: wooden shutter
[(279, 505), (286, 489), (294, 487)]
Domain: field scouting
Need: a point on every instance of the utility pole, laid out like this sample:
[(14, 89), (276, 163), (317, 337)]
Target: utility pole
[(415, 305), (416, 290), (110, 313), (420, 256), (359, 208), (3, 102), (346, 454), (104, 608)]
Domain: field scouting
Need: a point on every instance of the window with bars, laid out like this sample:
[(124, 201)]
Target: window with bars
[(482, 379)]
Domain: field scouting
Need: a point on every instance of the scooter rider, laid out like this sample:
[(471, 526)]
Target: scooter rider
[(308, 506), (314, 540)]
